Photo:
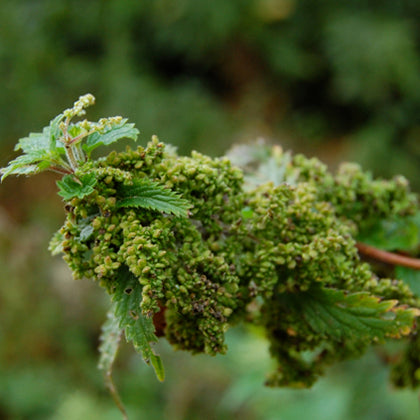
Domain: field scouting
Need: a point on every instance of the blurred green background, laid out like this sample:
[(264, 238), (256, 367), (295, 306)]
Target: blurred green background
[(337, 80)]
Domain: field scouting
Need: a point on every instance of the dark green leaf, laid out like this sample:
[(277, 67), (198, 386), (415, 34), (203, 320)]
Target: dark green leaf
[(70, 186), (357, 316), (151, 195), (113, 134), (138, 328)]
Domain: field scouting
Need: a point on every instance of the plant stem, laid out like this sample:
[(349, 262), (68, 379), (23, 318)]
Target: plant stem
[(60, 170), (71, 157), (80, 137), (78, 153), (388, 257), (115, 396)]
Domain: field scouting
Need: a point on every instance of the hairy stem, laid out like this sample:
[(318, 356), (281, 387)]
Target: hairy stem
[(60, 170), (115, 396), (71, 156), (388, 257), (80, 137)]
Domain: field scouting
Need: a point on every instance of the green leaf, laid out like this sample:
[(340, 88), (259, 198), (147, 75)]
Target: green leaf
[(337, 315), (70, 186), (35, 142), (262, 163), (111, 135), (19, 166), (108, 349), (46, 142), (40, 152), (56, 244), (151, 195), (410, 277), (28, 164), (54, 131), (86, 233), (392, 234), (247, 213), (138, 328), (110, 340)]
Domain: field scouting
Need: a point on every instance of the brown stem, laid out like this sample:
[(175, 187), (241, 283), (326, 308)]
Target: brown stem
[(115, 396), (59, 170), (388, 257)]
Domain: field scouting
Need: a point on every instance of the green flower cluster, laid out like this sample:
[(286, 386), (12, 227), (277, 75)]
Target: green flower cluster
[(248, 251), (357, 197), (182, 264), (187, 246)]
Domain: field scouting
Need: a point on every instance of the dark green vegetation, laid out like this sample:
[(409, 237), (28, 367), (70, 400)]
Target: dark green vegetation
[(190, 246), (202, 75), (335, 80)]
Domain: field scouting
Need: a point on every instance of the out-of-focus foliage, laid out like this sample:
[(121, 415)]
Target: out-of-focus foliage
[(202, 74), (198, 74)]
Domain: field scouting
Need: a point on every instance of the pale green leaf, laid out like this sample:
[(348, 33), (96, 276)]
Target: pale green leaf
[(55, 132), (25, 165), (110, 340), (262, 163), (16, 169), (153, 196), (45, 142), (108, 349), (86, 233), (35, 142), (40, 152)]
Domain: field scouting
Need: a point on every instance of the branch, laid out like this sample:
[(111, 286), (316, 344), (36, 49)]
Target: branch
[(388, 257)]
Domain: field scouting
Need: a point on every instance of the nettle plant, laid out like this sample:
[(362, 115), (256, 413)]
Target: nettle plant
[(187, 247)]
